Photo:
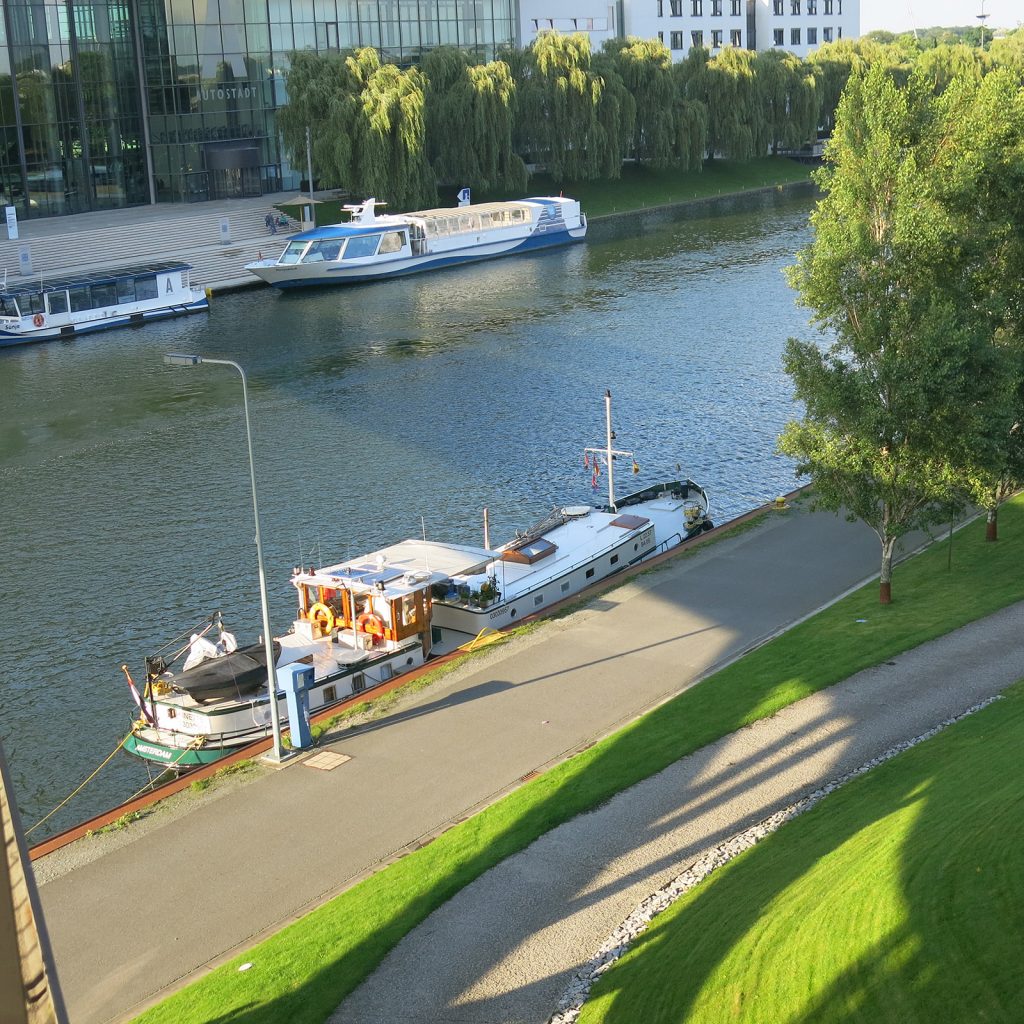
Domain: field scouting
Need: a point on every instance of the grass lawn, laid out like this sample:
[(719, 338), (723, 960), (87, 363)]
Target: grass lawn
[(637, 189), (304, 971), (894, 900)]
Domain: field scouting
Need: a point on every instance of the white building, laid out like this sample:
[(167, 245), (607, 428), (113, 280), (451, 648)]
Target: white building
[(798, 26)]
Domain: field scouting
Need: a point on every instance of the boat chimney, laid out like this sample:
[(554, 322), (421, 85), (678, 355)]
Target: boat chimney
[(487, 530)]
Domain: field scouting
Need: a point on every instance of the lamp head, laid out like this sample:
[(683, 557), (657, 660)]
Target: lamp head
[(177, 359)]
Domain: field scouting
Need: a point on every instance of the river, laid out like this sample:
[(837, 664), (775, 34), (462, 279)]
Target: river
[(379, 412)]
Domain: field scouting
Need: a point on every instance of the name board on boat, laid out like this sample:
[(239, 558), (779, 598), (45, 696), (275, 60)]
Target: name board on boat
[(12, 222)]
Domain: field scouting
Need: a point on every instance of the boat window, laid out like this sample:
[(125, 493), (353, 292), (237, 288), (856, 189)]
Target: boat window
[(320, 251), (392, 242), (8, 307), (57, 301), (361, 245), (145, 288), (31, 303), (126, 289), (80, 299), (103, 295), (292, 253)]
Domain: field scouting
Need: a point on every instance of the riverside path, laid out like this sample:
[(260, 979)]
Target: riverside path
[(131, 925)]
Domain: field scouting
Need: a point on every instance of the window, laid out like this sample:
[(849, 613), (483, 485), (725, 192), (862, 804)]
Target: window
[(358, 683), (392, 242), (103, 295), (812, 6), (716, 38), (565, 587), (676, 8), (735, 9), (716, 8), (840, 8), (145, 288), (330, 694), (538, 600), (292, 253), (590, 574), (794, 6), (676, 41), (126, 289), (735, 37), (698, 37), (661, 8), (794, 37), (777, 7), (613, 560), (812, 36), (696, 8), (777, 37), (80, 298), (58, 302), (828, 6), (839, 32), (361, 245), (826, 35), (661, 37)]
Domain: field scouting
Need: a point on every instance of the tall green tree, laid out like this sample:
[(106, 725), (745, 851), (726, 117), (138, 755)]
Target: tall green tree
[(727, 87), (788, 100), (906, 388), (645, 68)]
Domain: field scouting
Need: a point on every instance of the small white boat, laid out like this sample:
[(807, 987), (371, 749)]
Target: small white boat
[(362, 622), (65, 307), (370, 247)]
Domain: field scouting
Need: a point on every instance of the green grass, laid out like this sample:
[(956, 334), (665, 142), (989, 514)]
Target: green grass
[(305, 970), (637, 189), (894, 900)]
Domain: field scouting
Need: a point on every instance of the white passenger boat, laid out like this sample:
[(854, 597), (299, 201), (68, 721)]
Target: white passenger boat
[(68, 306), (362, 622), (370, 247)]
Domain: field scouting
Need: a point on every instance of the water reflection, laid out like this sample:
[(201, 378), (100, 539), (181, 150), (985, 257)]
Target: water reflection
[(379, 412)]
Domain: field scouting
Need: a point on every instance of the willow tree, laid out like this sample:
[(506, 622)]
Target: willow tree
[(645, 69), (616, 115), (941, 64), (560, 126), (788, 100), (727, 87), (905, 388)]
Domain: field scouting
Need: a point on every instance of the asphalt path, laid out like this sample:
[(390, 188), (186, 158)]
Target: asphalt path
[(136, 923)]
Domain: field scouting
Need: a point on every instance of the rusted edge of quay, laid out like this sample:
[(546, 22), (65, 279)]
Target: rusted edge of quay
[(154, 796)]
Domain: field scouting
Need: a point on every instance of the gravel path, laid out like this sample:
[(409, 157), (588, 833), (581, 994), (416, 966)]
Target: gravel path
[(506, 948)]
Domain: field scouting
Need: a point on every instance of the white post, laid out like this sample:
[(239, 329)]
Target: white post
[(611, 455), (487, 530), (309, 171)]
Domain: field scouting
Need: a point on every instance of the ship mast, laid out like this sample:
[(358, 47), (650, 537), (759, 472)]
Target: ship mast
[(608, 452)]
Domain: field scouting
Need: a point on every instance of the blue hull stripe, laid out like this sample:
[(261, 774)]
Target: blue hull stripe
[(535, 242)]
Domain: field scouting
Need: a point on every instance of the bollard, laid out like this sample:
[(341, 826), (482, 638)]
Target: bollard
[(295, 680), (780, 502)]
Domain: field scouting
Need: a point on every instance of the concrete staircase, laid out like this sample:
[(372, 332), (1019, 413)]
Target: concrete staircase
[(98, 241)]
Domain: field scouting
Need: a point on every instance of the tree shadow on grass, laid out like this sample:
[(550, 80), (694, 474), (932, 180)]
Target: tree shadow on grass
[(942, 945)]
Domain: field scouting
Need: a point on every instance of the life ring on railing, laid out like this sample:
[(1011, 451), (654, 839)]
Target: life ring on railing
[(322, 616), (371, 623), (39, 319)]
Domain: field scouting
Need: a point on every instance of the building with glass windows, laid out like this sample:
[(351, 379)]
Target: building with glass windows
[(114, 103)]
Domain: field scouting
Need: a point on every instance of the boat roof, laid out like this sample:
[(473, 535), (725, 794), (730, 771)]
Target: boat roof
[(95, 277), (393, 220), (403, 567)]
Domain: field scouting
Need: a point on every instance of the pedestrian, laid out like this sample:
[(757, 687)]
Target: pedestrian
[(271, 223)]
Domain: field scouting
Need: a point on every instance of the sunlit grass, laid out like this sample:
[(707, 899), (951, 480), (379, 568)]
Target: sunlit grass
[(895, 899), (303, 972)]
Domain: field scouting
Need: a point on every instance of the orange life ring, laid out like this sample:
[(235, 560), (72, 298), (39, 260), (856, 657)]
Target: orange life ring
[(322, 616), (371, 623), (39, 319)]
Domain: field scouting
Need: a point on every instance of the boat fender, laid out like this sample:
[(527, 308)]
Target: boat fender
[(322, 616), (39, 319), (370, 623)]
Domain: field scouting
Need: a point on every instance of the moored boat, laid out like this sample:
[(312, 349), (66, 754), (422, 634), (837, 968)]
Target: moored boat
[(77, 304), (371, 246), (362, 622)]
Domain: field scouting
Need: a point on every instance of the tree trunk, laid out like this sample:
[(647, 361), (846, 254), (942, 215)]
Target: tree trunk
[(885, 584), (991, 530)]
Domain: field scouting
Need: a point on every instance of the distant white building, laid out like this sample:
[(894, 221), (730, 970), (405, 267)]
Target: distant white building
[(798, 26)]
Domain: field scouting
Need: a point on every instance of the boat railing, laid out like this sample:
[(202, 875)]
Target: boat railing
[(669, 542)]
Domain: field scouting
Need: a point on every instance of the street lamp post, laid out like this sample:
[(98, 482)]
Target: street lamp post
[(176, 359)]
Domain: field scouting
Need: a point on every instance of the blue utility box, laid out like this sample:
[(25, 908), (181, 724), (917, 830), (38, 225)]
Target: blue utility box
[(296, 680)]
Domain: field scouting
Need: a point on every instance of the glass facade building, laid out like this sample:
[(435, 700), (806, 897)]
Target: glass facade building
[(126, 102)]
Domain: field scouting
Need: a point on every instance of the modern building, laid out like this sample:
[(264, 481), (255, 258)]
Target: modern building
[(114, 103), (798, 26)]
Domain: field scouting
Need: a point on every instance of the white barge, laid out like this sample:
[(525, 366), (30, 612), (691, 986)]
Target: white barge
[(68, 306), (362, 622), (371, 246)]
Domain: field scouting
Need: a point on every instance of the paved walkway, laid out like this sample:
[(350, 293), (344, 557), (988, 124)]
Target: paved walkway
[(503, 951), (130, 925)]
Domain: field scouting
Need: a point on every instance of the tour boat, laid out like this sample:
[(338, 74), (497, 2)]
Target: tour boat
[(371, 246), (364, 621), (67, 306)]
